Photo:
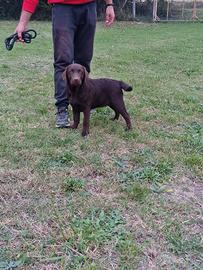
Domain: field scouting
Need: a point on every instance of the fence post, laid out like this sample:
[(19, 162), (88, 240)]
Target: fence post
[(155, 17), (134, 9), (194, 11), (183, 9), (167, 12)]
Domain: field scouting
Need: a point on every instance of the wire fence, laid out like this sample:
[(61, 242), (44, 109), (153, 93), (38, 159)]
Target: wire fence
[(182, 11), (138, 10), (163, 10)]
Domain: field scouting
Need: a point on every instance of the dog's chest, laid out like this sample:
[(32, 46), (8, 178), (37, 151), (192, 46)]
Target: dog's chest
[(78, 100)]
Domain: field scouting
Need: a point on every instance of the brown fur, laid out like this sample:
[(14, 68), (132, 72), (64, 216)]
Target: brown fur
[(86, 94)]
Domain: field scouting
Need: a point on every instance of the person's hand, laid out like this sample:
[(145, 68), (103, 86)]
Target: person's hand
[(110, 16), (21, 27)]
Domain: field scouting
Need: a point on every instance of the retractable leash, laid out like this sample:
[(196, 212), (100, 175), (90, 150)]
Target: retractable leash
[(27, 37)]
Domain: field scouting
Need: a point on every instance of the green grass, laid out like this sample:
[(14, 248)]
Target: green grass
[(180, 242), (116, 200)]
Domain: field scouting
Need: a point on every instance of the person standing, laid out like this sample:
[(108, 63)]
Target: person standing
[(73, 30)]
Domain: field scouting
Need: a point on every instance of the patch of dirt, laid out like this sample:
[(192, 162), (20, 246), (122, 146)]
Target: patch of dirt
[(187, 190), (155, 259), (19, 194)]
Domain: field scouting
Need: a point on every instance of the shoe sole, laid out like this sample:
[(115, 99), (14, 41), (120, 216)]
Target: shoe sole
[(62, 126)]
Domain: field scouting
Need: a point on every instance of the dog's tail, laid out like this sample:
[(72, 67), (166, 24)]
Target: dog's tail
[(125, 86)]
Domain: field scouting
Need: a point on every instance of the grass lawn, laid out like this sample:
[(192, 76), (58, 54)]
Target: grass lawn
[(116, 200)]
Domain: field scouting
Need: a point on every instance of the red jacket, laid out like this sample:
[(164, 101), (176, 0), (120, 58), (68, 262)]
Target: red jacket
[(30, 5)]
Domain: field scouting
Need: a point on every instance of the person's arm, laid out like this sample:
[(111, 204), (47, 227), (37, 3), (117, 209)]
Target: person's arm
[(28, 8), (23, 22), (110, 15)]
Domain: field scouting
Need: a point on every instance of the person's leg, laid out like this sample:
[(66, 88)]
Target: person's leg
[(63, 27), (84, 36)]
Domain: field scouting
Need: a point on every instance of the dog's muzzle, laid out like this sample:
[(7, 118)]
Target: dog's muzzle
[(76, 82)]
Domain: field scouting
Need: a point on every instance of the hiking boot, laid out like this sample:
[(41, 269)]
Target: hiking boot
[(62, 120)]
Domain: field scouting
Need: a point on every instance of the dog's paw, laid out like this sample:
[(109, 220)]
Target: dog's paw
[(72, 126), (85, 133), (128, 128)]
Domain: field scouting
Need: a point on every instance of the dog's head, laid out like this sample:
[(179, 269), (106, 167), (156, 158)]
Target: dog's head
[(75, 75)]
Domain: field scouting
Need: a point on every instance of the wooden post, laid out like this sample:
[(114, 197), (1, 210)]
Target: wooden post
[(194, 11), (154, 10), (134, 9), (183, 9), (167, 12)]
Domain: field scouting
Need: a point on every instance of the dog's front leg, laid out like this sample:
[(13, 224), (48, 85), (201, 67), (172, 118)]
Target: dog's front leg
[(76, 118), (86, 122)]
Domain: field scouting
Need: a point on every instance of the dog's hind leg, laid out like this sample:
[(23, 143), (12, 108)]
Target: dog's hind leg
[(126, 116), (116, 114), (119, 107)]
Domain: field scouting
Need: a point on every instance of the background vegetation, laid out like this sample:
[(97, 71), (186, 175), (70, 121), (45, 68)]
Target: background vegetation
[(11, 9)]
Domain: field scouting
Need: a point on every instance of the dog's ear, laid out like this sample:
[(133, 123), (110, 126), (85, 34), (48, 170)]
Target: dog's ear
[(64, 76), (85, 76)]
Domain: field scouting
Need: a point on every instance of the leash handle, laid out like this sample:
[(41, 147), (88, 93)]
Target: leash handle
[(27, 36)]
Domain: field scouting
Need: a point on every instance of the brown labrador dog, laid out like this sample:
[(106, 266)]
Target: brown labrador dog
[(86, 94)]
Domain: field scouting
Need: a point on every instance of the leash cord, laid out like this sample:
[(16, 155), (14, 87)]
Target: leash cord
[(27, 37)]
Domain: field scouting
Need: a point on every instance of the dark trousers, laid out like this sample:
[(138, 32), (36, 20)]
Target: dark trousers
[(73, 37)]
